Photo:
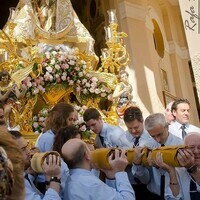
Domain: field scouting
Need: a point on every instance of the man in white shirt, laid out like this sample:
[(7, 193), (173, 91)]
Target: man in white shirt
[(188, 177), (157, 127), (137, 136), (106, 135), (181, 111), (82, 184)]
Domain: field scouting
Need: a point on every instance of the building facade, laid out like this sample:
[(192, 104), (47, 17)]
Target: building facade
[(159, 70)]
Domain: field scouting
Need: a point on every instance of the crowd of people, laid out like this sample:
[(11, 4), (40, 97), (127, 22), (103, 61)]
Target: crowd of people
[(71, 174)]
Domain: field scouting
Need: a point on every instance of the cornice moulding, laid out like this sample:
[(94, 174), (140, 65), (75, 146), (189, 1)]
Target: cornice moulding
[(133, 11)]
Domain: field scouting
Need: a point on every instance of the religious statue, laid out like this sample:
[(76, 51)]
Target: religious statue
[(122, 93), (46, 11), (10, 94)]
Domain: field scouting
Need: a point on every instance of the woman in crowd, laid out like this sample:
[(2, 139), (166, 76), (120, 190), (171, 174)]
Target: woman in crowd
[(62, 114)]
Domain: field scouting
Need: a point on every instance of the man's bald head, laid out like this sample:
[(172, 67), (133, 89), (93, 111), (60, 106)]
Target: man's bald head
[(73, 152), (192, 138), (193, 141)]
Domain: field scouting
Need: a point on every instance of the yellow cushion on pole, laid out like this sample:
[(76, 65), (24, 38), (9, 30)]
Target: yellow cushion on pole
[(169, 154), (38, 159), (100, 156)]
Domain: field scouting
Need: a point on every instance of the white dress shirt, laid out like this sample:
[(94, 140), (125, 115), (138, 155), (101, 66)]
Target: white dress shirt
[(83, 185), (137, 171), (184, 184), (175, 129), (142, 141), (113, 137), (155, 173)]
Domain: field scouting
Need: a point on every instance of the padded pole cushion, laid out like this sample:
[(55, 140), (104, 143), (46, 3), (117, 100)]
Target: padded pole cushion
[(38, 159)]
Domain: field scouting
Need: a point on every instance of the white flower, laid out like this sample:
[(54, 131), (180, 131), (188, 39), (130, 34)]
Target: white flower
[(35, 118), (70, 57), (35, 124), (72, 62), (57, 66), (47, 55), (85, 91), (76, 107), (71, 82), (49, 69), (29, 84), (103, 94), (41, 119), (94, 79), (50, 78), (36, 132), (53, 61), (35, 91), (80, 74), (44, 112), (93, 85), (97, 91), (63, 78), (87, 84), (83, 62), (84, 107), (54, 53), (84, 81), (91, 90)]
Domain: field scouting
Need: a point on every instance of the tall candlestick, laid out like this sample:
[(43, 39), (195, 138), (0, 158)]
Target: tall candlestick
[(108, 32), (112, 16)]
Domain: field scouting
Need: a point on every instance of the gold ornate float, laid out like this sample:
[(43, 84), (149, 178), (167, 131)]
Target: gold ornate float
[(55, 55)]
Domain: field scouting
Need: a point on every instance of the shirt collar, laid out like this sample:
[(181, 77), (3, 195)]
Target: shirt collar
[(103, 130), (179, 125)]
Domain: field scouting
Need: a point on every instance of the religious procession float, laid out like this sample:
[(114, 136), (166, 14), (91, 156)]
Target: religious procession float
[(49, 56)]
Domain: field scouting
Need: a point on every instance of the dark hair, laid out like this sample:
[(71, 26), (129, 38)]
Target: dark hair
[(133, 113), (76, 158), (4, 73), (56, 118), (63, 135), (15, 134), (91, 113), (177, 102)]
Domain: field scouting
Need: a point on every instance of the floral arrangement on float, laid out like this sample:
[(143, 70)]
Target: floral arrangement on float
[(64, 68), (61, 67), (38, 121)]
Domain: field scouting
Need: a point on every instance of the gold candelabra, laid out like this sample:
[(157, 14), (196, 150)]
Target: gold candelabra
[(115, 56)]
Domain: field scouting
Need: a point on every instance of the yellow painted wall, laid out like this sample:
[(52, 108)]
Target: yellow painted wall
[(135, 18)]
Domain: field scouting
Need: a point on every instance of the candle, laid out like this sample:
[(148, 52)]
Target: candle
[(112, 16), (108, 33)]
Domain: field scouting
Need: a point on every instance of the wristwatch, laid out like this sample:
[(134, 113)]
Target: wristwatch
[(55, 179)]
